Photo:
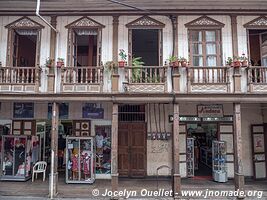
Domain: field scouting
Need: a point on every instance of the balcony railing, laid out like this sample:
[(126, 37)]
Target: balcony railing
[(82, 79), (19, 79), (146, 79), (257, 78), (208, 79)]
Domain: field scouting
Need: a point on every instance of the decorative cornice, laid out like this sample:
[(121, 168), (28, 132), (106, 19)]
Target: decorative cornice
[(259, 22), (85, 22), (24, 22), (204, 21), (145, 22)]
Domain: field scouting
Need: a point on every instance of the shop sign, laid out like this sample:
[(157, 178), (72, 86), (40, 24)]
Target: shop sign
[(210, 110), (23, 110), (93, 111)]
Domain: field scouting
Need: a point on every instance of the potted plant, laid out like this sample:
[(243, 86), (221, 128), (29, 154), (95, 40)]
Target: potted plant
[(123, 57), (174, 62), (237, 61), (244, 60), (136, 73), (110, 66), (48, 62), (230, 62), (183, 62), (60, 62)]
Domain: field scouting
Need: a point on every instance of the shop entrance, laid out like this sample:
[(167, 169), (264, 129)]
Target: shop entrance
[(132, 149), (204, 134)]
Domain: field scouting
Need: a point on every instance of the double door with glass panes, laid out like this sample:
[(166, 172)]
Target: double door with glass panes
[(80, 160)]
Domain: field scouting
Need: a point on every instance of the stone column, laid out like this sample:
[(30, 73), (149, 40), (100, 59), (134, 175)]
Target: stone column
[(114, 149), (176, 152), (53, 41), (237, 72), (238, 163), (115, 50), (53, 177)]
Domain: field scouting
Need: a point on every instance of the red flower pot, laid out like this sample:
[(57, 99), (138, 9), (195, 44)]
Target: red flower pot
[(184, 64), (122, 64)]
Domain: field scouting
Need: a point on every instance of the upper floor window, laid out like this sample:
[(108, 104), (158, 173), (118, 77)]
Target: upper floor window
[(84, 42), (205, 42), (205, 47), (23, 47)]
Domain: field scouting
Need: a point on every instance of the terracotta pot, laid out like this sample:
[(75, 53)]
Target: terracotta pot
[(175, 64), (245, 63), (184, 64), (60, 64), (237, 63), (122, 64)]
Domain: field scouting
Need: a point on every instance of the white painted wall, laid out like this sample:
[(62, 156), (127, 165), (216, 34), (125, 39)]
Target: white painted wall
[(45, 42)]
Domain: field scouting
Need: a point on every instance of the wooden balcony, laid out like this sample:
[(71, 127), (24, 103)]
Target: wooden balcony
[(146, 79), (208, 79), (20, 79), (82, 79), (257, 78)]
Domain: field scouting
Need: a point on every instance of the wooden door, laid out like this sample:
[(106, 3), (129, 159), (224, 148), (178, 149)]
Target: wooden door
[(258, 150), (132, 150)]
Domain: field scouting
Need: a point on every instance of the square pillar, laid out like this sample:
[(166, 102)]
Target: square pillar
[(238, 163), (53, 177), (175, 152), (114, 149)]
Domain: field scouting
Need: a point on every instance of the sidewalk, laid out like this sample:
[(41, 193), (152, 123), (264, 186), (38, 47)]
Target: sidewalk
[(39, 190)]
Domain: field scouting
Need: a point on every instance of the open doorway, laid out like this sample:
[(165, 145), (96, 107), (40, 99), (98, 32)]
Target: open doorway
[(85, 48), (204, 134), (145, 44), (24, 48), (258, 47)]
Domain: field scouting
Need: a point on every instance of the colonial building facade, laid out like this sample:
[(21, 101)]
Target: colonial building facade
[(71, 76)]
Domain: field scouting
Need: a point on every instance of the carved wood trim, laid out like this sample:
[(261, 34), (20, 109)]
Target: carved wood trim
[(259, 22), (85, 22), (204, 21), (24, 23), (145, 22)]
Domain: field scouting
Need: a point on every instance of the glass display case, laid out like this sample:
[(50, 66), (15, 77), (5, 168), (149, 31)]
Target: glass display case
[(219, 161), (103, 149), (16, 157), (80, 160), (190, 157)]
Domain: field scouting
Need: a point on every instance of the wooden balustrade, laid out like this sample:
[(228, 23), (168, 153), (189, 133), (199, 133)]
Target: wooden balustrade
[(257, 75), (82, 79), (208, 79), (19, 75), (146, 74), (146, 79), (82, 75), (257, 78)]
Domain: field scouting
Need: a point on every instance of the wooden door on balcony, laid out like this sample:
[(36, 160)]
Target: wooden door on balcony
[(132, 149)]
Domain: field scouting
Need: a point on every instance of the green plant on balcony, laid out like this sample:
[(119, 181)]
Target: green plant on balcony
[(183, 61), (137, 70), (173, 61), (110, 66), (123, 57), (244, 60), (48, 62), (60, 62), (229, 61)]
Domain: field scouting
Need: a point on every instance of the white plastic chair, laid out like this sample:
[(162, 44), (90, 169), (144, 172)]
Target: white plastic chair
[(39, 167)]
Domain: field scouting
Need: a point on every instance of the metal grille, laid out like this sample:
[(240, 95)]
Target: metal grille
[(132, 113)]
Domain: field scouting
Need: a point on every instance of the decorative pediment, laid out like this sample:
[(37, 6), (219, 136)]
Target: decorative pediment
[(204, 21), (260, 22), (85, 22), (145, 22), (24, 22)]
